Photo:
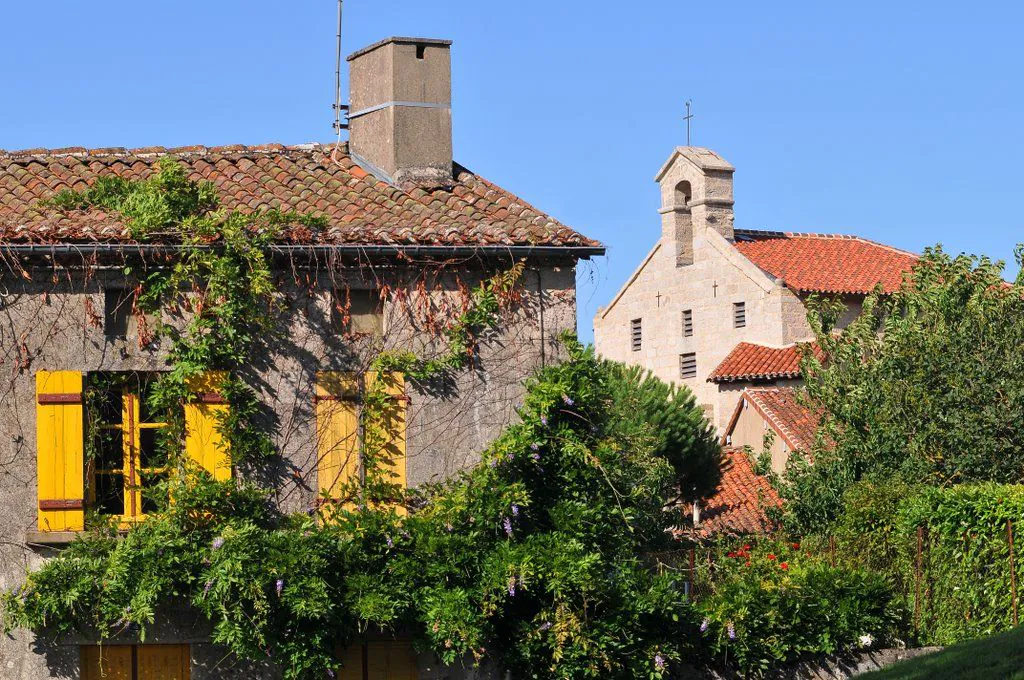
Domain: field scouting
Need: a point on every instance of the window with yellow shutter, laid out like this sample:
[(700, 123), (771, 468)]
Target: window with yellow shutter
[(99, 443), (341, 422)]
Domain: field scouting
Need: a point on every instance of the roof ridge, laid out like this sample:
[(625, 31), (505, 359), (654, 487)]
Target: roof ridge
[(824, 235), (192, 150)]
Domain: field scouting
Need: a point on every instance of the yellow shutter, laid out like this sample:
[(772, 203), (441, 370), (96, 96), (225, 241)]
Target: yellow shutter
[(109, 662), (203, 442), (393, 422), (60, 451), (163, 662), (337, 431)]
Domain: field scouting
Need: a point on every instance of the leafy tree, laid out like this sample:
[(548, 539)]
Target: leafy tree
[(925, 385)]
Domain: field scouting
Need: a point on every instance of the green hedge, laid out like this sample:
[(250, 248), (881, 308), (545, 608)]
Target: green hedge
[(965, 589)]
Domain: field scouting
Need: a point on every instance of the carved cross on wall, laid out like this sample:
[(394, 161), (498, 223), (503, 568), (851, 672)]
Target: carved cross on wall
[(658, 296), (714, 287)]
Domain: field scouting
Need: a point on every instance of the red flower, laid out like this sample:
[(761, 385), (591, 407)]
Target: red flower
[(747, 564), (732, 554), (784, 565), (771, 556), (746, 547), (796, 546)]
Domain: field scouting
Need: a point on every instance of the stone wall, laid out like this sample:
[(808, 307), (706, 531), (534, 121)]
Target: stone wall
[(658, 293), (49, 322)]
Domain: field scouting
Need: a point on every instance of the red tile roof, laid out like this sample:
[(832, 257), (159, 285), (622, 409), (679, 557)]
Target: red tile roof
[(757, 363), (361, 209), (739, 504), (826, 263), (795, 422)]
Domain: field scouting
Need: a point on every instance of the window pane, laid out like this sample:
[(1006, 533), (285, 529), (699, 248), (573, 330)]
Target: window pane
[(150, 494), (151, 453), (117, 311), (109, 449), (110, 493), (108, 405)]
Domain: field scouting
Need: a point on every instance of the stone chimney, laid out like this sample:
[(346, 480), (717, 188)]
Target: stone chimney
[(696, 193), (400, 120)]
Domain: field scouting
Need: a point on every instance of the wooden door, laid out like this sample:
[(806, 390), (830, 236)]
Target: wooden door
[(163, 662), (139, 662), (109, 662)]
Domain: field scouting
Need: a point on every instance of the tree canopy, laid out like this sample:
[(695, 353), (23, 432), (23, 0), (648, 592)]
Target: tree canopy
[(925, 385)]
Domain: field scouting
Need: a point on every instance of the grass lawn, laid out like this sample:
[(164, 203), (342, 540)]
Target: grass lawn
[(998, 657)]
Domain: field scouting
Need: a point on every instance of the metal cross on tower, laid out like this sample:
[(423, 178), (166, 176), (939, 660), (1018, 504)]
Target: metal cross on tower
[(688, 117)]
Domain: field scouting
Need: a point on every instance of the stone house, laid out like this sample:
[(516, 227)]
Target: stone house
[(409, 232), (720, 309)]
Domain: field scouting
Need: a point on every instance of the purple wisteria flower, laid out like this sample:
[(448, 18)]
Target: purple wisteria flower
[(512, 586), (507, 523), (535, 446), (206, 588), (218, 543), (535, 457), (545, 626), (568, 400), (279, 586), (704, 625), (494, 462), (659, 662), (544, 421), (515, 510), (732, 631), (510, 456), (330, 673), (391, 544)]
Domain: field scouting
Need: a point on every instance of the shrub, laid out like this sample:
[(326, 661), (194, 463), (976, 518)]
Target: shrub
[(775, 603)]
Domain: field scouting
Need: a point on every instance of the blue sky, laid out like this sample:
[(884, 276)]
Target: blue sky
[(880, 119)]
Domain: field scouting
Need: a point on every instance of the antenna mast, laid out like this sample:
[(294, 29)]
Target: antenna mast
[(338, 106)]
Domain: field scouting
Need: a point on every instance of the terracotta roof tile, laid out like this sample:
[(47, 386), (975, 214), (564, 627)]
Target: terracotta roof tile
[(750, 362), (361, 209), (739, 504), (781, 407), (826, 263)]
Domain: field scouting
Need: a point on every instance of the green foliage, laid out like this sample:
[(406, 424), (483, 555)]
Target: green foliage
[(667, 419), (965, 586), (535, 556), (781, 603), (926, 385)]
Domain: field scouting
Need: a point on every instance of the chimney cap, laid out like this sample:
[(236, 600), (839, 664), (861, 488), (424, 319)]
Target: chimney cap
[(399, 41)]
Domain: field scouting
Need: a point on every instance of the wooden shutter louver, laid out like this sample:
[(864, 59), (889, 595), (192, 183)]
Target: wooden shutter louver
[(636, 334), (203, 441), (739, 314), (687, 323), (688, 365), (60, 451)]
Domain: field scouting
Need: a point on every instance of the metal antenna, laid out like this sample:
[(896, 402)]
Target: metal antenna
[(688, 117), (338, 106)]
